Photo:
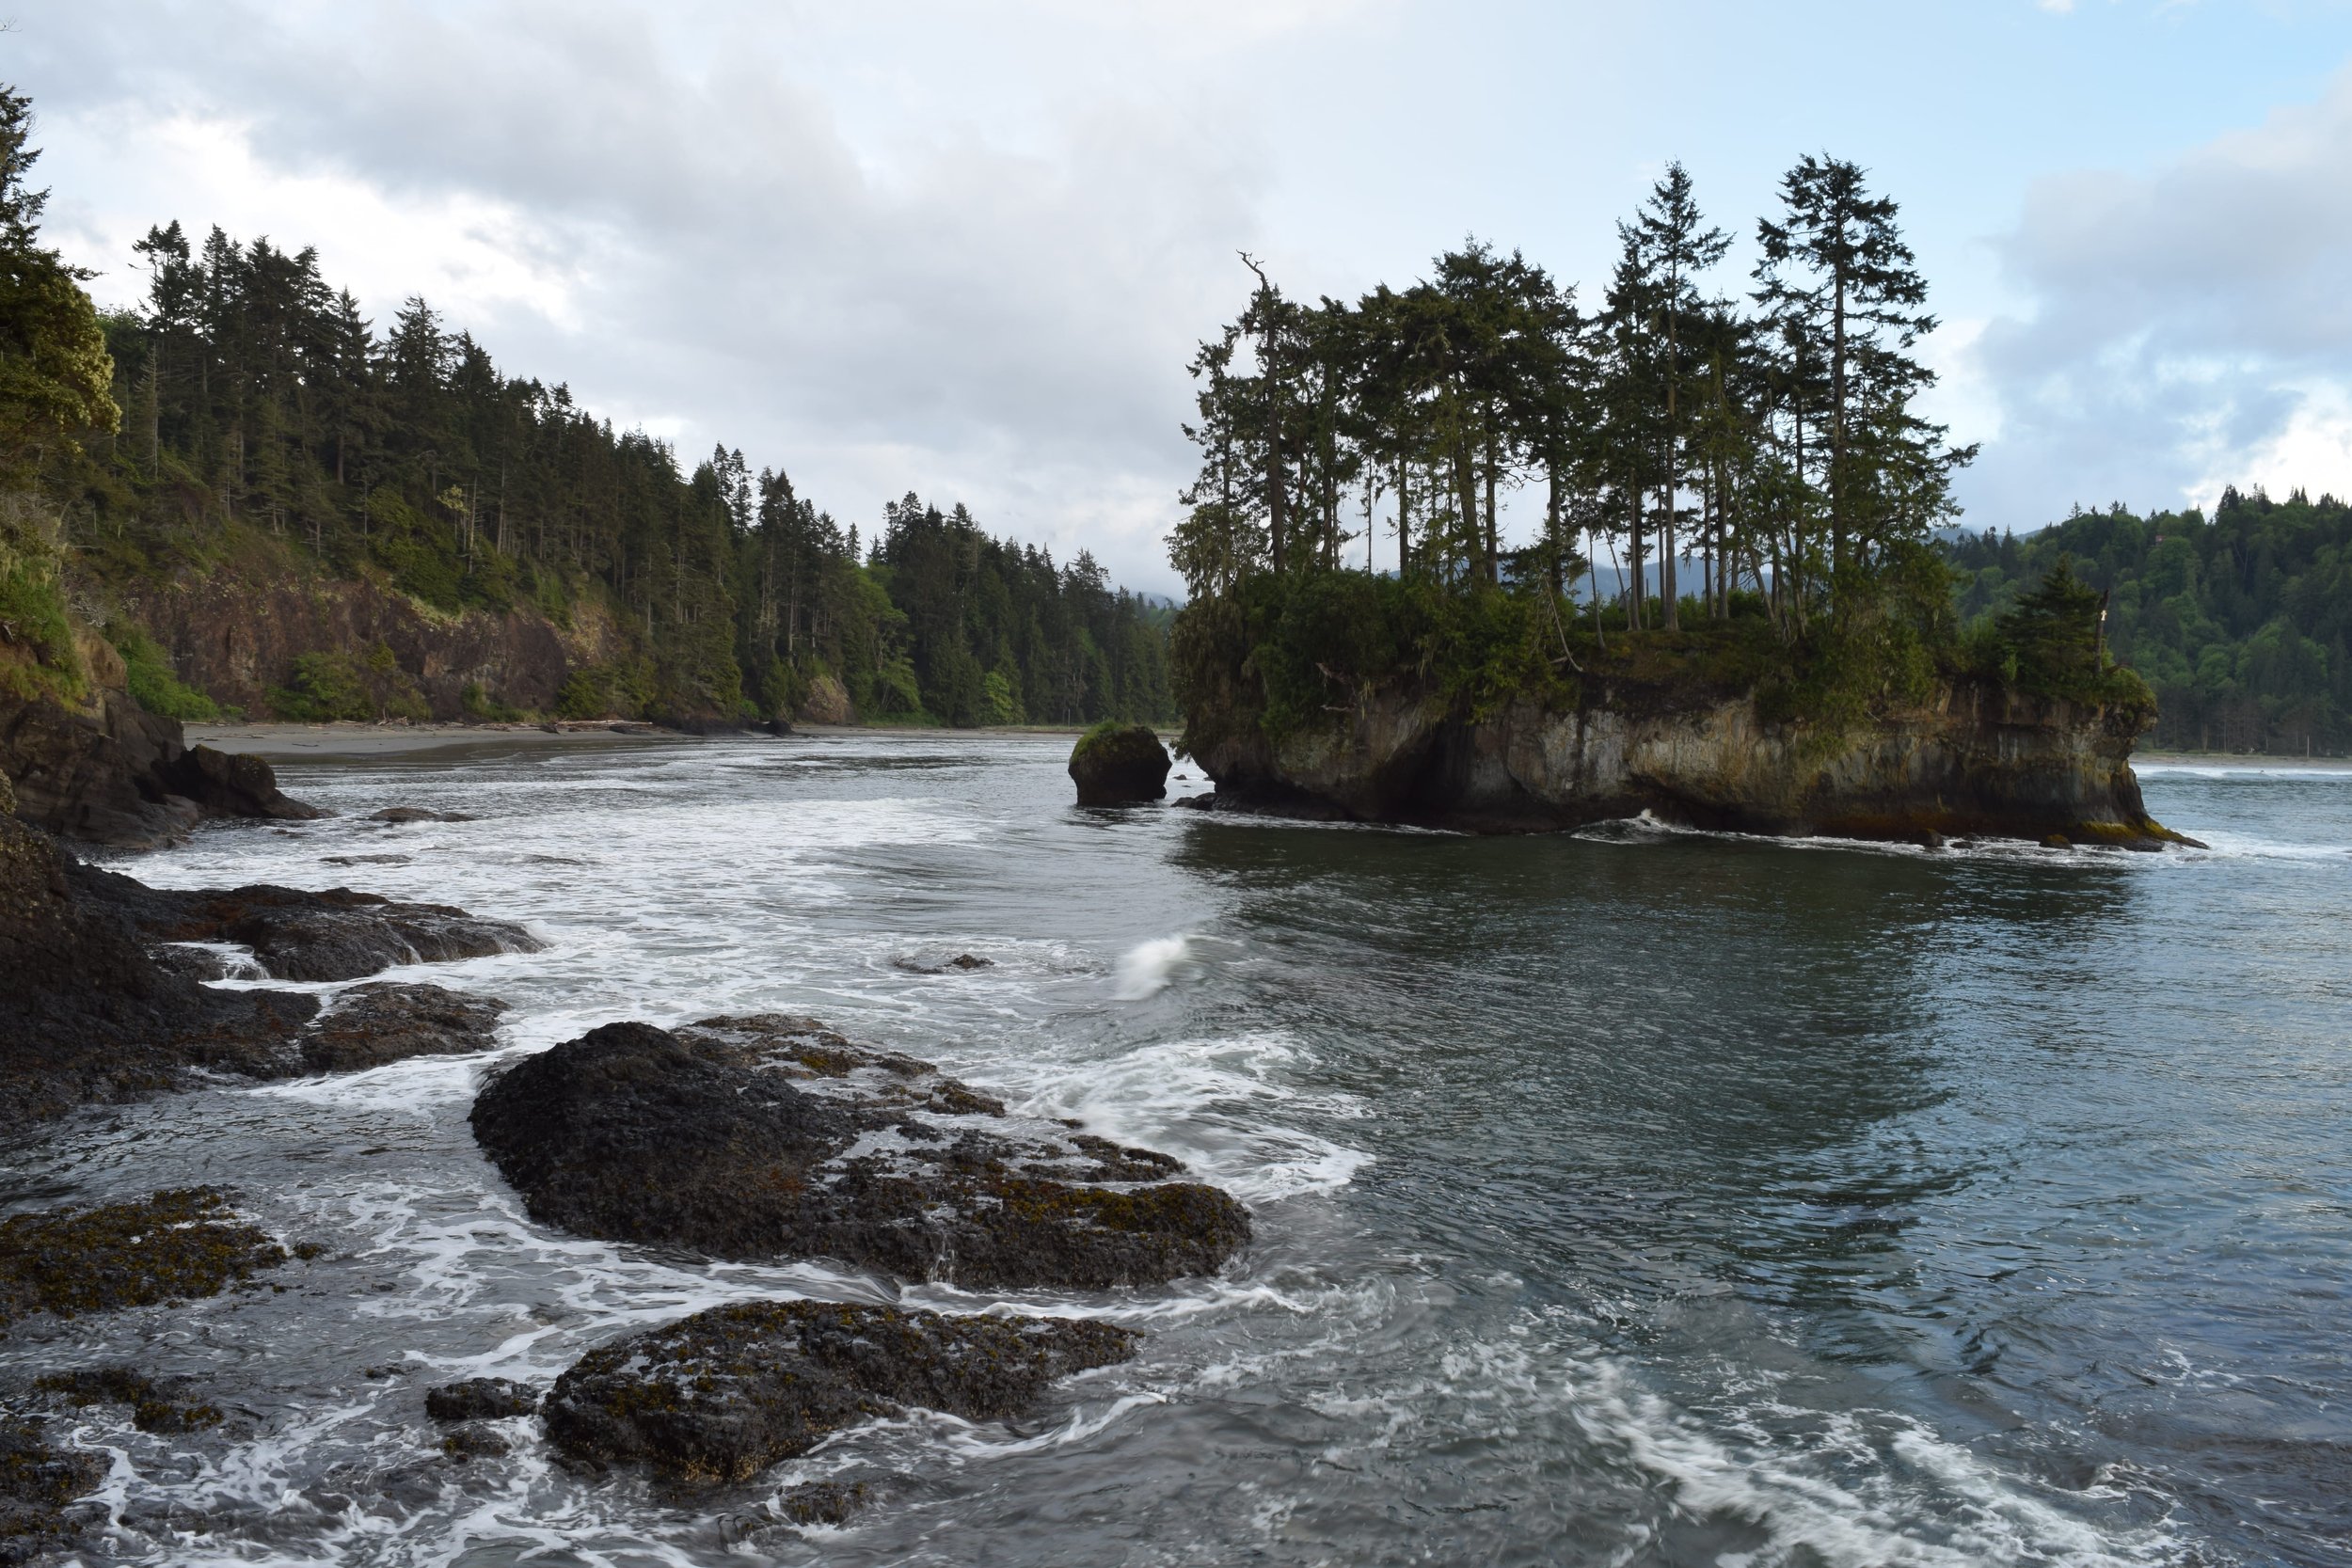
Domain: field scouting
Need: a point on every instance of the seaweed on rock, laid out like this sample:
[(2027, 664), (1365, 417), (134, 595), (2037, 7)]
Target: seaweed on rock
[(720, 1395), (174, 1245), (773, 1137)]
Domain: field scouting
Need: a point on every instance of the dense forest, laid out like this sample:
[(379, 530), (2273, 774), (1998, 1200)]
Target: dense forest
[(1754, 473), (2242, 622), (251, 414)]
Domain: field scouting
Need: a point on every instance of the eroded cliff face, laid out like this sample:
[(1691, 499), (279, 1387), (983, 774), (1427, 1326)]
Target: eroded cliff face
[(1974, 761), (233, 636)]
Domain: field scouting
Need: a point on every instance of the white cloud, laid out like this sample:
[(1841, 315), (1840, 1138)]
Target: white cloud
[(735, 227), (2190, 327)]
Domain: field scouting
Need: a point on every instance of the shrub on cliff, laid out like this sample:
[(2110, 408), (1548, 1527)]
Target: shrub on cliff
[(148, 675), (332, 686), (2051, 644)]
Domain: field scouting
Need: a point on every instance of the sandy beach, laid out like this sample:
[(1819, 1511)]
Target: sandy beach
[(378, 740)]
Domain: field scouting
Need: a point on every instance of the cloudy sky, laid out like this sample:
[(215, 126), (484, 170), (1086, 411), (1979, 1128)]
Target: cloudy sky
[(965, 249)]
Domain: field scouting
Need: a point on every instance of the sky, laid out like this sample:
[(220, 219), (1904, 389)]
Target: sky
[(966, 250)]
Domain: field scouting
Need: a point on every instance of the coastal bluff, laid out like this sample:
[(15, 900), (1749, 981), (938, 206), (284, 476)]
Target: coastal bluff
[(1974, 759)]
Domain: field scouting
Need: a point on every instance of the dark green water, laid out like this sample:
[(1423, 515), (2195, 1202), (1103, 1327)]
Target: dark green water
[(1631, 1198)]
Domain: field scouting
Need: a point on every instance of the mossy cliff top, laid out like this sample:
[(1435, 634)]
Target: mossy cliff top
[(1288, 656)]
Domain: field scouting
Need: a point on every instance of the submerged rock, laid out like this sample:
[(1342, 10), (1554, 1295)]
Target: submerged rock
[(481, 1399), (418, 814), (175, 1245), (1115, 764), (154, 1406), (924, 963), (773, 1137), (474, 1441), (372, 1024), (39, 1486), (721, 1395), (823, 1502)]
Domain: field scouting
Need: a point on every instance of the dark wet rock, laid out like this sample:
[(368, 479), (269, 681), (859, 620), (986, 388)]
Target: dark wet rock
[(770, 1137), (474, 1441), (418, 813), (382, 1021), (366, 860), (2056, 841), (824, 1502), (175, 1245), (155, 1406), (120, 776), (39, 1486), (924, 963), (335, 934), (481, 1399), (87, 1015), (102, 1000), (721, 1395), (1114, 764)]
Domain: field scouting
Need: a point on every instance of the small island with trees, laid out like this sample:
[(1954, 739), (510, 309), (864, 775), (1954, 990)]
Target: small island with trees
[(1735, 611)]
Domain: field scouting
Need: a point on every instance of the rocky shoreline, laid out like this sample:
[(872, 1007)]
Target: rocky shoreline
[(757, 1138), (1972, 762)]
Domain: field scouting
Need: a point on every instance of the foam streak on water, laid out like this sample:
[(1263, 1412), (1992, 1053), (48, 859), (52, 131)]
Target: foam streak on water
[(1626, 1197)]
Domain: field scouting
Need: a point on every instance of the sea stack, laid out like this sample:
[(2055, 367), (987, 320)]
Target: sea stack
[(1116, 764)]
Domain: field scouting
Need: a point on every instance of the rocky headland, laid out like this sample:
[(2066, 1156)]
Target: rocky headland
[(112, 773), (1973, 760)]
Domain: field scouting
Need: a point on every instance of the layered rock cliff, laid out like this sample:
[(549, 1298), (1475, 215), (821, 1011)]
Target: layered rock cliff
[(234, 635), (1972, 760)]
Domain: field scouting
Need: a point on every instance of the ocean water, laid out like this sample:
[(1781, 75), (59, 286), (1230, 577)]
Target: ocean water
[(1631, 1196)]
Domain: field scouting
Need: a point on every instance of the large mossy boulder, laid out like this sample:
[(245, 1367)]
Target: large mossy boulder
[(765, 1138), (1114, 765), (721, 1396)]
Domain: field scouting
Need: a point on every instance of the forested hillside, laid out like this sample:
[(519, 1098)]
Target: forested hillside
[(283, 472), (2241, 621)]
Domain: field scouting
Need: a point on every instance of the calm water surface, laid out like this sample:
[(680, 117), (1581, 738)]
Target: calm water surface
[(1628, 1197)]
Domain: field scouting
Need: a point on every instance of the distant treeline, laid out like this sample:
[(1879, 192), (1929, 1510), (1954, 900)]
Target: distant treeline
[(256, 400), (2242, 622)]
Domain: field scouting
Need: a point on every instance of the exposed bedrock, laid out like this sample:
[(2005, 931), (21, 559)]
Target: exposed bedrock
[(88, 1015), (1118, 763), (119, 776), (773, 1137), (296, 935), (721, 1395), (1973, 762)]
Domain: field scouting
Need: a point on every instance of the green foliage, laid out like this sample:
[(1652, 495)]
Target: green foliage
[(33, 625), (2240, 624), (335, 686), (151, 680), (619, 690), (479, 703), (326, 687)]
